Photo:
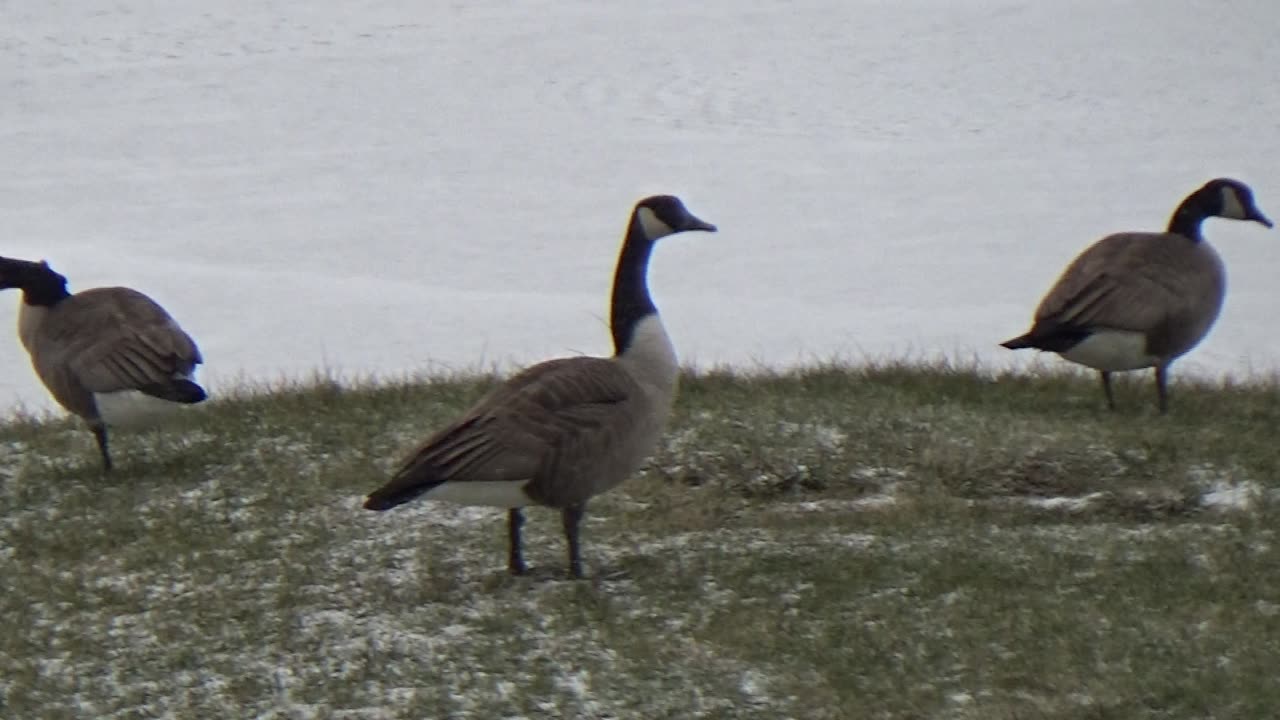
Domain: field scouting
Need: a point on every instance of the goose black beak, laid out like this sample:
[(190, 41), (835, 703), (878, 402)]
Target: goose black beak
[(696, 224), (1259, 218)]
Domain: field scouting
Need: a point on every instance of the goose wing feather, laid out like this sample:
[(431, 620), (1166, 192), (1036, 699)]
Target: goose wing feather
[(114, 339), (1127, 281), (538, 425)]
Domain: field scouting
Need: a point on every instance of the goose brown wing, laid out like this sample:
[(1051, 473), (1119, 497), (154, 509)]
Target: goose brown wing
[(598, 446), (118, 339), (519, 431), (1128, 281)]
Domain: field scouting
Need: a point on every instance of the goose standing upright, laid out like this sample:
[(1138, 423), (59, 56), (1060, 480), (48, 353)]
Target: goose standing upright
[(109, 355), (1138, 300), (564, 430)]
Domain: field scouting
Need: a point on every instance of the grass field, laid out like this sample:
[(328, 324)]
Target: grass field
[(880, 542)]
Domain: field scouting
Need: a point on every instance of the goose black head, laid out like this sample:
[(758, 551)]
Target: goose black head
[(40, 283), (662, 215), (1227, 198)]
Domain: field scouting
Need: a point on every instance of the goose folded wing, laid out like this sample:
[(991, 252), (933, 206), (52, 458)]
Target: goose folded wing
[(515, 432), (1121, 285), (595, 450), (123, 341)]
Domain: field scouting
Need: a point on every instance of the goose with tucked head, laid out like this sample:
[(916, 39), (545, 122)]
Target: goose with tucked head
[(109, 355)]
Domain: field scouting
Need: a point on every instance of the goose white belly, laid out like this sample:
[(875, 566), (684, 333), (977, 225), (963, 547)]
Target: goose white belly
[(132, 409), (1112, 351), (490, 493)]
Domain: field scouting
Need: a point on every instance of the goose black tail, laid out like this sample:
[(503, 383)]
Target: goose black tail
[(179, 391), (1018, 343), (1050, 337), (382, 502), (396, 493)]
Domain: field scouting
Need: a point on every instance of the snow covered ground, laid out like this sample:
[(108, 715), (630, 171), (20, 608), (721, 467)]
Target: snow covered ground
[(383, 186)]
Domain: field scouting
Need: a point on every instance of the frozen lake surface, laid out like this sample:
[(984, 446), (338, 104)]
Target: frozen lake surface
[(390, 186)]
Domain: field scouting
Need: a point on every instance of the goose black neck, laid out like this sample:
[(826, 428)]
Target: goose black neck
[(1188, 218), (44, 289), (45, 296), (631, 300)]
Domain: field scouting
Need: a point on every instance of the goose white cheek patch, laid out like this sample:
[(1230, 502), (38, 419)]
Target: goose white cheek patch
[(1231, 205), (652, 226)]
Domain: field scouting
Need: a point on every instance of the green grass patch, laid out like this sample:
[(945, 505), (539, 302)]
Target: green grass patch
[(887, 541)]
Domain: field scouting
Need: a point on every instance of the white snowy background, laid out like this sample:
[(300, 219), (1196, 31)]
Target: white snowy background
[(388, 186)]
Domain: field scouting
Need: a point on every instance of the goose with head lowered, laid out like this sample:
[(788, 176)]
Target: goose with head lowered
[(109, 355), (564, 430), (1142, 299)]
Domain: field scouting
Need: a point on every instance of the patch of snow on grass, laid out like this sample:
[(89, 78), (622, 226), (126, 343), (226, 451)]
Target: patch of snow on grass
[(1225, 488), (885, 498), (824, 436), (878, 472), (445, 514), (753, 686), (877, 501), (1067, 503), (577, 683), (817, 506), (1228, 495)]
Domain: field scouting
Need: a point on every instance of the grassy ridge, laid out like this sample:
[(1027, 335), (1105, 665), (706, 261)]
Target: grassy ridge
[(894, 541)]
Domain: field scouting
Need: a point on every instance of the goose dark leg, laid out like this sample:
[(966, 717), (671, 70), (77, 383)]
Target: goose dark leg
[(100, 434), (1106, 388), (572, 517), (515, 562), (1162, 388)]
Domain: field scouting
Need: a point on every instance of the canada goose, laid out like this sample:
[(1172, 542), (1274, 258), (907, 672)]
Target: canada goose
[(1137, 300), (567, 429), (110, 355)]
